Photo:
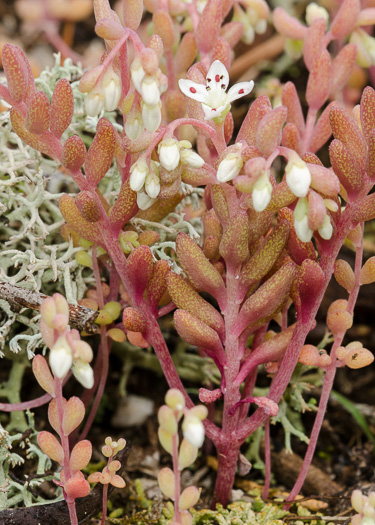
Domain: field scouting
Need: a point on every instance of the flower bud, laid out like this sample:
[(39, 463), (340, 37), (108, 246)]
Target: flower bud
[(151, 116), (169, 154), (301, 221), (152, 185), (314, 11), (112, 89), (262, 192), (144, 201), (84, 374), (230, 167), (193, 431), (175, 399), (191, 158), (298, 176), (94, 103), (326, 229), (134, 126), (150, 90), (138, 174), (61, 357), (137, 73)]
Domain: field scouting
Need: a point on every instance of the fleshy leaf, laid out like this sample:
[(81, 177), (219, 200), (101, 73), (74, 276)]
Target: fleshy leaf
[(368, 111), (43, 374), (262, 261), (166, 482), (31, 139), (249, 127), (15, 70), (365, 209), (344, 275), (313, 42), (234, 243), (319, 82), (322, 130), (163, 26), (80, 455), (298, 250), (309, 283), (38, 115), (132, 13), (342, 67), (77, 487), (198, 268), (345, 19), (270, 130), (73, 217), (197, 333), (219, 203), (291, 138), (345, 129), (133, 320), (266, 301), (187, 454), (188, 498), (74, 153), (50, 446), (88, 206), (139, 269), (290, 99), (186, 298), (74, 412), (345, 167), (125, 206), (324, 180), (288, 25), (100, 154), (186, 52), (209, 26), (157, 284), (62, 107)]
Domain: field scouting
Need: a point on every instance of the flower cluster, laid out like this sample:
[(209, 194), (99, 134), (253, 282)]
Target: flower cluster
[(68, 351)]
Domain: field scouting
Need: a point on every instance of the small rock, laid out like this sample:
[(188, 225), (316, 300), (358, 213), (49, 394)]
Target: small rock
[(132, 411)]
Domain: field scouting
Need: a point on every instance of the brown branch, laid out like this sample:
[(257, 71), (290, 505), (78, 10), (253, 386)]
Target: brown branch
[(80, 317)]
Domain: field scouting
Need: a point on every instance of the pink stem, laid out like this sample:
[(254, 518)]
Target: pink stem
[(65, 446), (267, 459), (328, 382), (58, 43), (310, 123)]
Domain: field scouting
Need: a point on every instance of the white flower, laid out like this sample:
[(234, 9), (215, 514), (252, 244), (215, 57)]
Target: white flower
[(152, 185), (134, 126), (169, 154), (298, 177), (94, 103), (301, 220), (229, 167), (83, 373), (151, 116), (112, 89), (262, 192), (137, 73), (144, 201), (138, 174), (326, 230), (150, 90), (61, 357), (193, 431), (213, 96), (191, 158)]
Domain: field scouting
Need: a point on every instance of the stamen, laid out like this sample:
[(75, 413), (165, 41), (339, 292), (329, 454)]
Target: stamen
[(241, 91), (208, 79), (217, 78), (222, 86)]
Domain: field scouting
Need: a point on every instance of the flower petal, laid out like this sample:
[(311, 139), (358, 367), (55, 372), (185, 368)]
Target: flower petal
[(240, 90), (210, 113), (193, 90), (217, 76)]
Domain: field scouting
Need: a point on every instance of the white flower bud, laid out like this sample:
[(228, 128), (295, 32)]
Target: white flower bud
[(84, 374), (169, 154), (138, 174), (298, 177), (261, 26), (150, 90), (230, 167), (315, 11), (262, 192), (191, 158), (94, 103), (193, 431), (151, 117), (152, 185), (61, 357), (301, 220), (134, 126), (144, 201), (137, 73), (326, 229), (112, 90)]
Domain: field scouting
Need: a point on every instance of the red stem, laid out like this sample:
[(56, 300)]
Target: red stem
[(267, 459)]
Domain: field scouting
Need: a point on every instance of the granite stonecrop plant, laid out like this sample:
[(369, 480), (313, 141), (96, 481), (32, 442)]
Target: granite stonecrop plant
[(67, 351), (270, 236)]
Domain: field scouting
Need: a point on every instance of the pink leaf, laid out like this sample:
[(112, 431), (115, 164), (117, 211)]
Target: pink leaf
[(50, 446), (43, 374), (74, 412), (80, 455), (62, 107)]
